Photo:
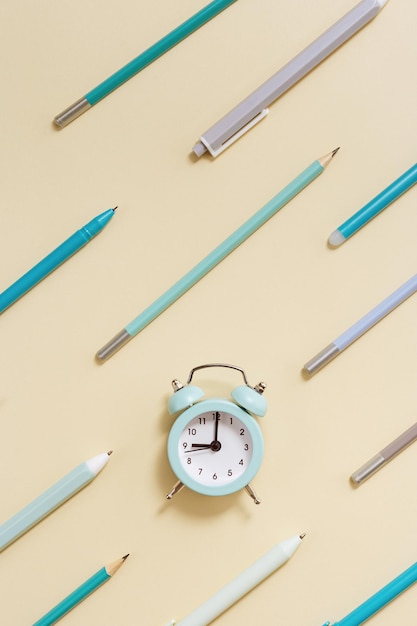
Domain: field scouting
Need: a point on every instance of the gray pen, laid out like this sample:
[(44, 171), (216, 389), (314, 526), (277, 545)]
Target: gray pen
[(385, 455), (254, 108)]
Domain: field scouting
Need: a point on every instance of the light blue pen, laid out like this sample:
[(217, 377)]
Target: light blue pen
[(376, 602), (69, 247), (216, 256), (375, 206), (365, 323), (51, 499), (145, 58)]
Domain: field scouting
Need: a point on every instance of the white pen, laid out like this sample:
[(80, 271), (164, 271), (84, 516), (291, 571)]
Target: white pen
[(242, 584), (51, 499), (255, 107)]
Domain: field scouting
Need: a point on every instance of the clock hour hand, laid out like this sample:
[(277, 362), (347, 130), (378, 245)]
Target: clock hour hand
[(214, 445)]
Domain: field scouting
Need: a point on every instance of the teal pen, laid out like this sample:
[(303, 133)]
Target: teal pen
[(376, 602), (69, 247), (375, 206), (145, 58), (216, 256), (51, 499), (79, 594)]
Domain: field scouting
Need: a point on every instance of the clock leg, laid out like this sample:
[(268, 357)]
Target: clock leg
[(252, 494), (176, 488)]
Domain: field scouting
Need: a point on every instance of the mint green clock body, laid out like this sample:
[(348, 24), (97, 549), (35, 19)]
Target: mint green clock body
[(215, 446)]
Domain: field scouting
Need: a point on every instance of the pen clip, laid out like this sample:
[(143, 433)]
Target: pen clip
[(216, 151)]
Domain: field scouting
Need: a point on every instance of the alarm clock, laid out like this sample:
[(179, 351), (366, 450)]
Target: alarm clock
[(215, 446)]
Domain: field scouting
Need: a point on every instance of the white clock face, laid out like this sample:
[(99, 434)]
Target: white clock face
[(215, 448)]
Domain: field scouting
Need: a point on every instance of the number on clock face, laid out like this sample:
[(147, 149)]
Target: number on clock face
[(215, 461)]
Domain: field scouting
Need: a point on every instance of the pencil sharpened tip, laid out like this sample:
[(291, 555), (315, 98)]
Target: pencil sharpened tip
[(335, 151), (125, 557), (110, 452), (302, 535)]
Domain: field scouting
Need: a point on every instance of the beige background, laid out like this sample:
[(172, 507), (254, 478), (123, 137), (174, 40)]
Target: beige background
[(275, 302)]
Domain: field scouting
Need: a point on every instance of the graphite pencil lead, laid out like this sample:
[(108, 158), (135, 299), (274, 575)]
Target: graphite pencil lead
[(335, 151)]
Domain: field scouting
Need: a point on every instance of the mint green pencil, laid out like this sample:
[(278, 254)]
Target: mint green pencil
[(79, 594), (216, 256)]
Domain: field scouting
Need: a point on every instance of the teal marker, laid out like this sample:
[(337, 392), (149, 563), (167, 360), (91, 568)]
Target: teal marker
[(69, 247), (145, 58), (79, 594), (375, 206), (216, 256), (376, 602)]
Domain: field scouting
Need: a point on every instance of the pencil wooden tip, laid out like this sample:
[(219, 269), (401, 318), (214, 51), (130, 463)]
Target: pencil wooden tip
[(125, 557)]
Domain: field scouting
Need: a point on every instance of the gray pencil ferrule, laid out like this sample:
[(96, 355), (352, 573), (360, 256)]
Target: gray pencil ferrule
[(369, 468), (113, 345), (72, 112), (321, 359)]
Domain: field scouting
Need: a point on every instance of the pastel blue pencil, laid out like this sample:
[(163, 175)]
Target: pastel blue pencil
[(145, 58), (79, 594), (375, 206), (53, 260), (380, 599), (365, 323), (216, 256)]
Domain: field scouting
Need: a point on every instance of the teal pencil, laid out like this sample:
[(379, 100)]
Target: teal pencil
[(79, 594), (216, 256), (145, 58), (370, 210)]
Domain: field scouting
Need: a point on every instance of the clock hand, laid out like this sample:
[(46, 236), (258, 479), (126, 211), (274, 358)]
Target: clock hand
[(216, 427), (215, 446)]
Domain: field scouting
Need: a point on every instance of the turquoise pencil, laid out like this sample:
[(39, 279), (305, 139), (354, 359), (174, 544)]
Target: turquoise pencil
[(145, 58), (374, 207), (79, 594), (216, 256), (380, 599), (54, 259)]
